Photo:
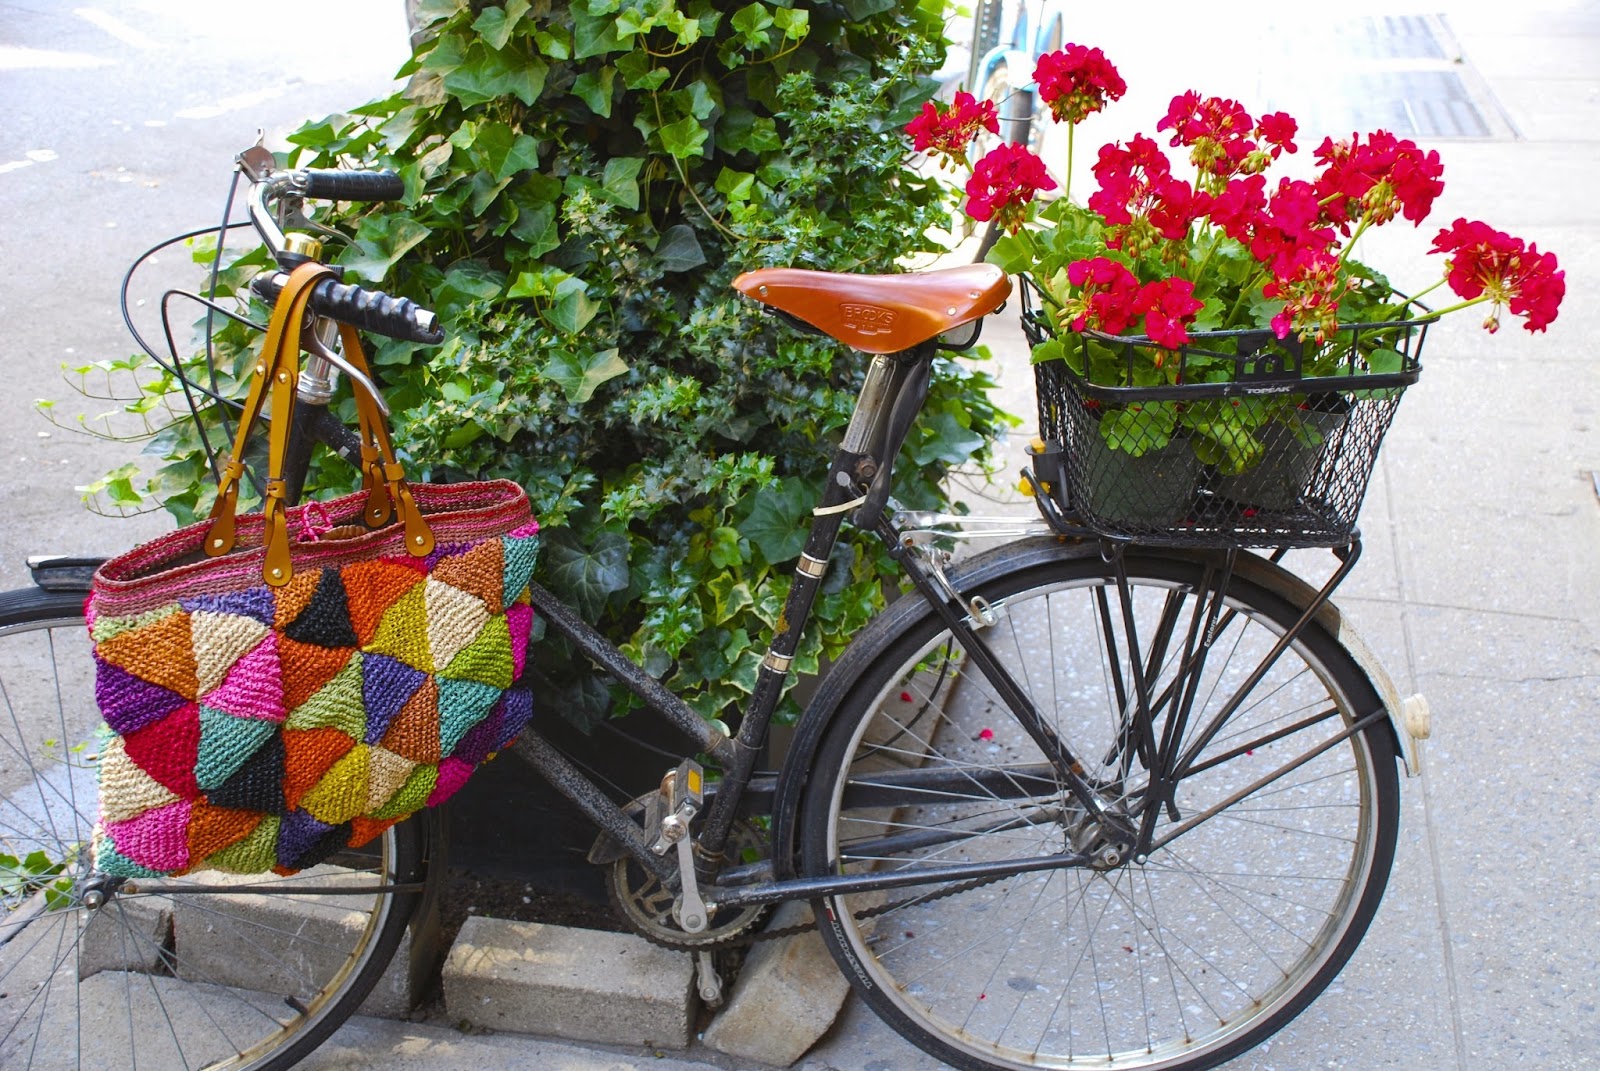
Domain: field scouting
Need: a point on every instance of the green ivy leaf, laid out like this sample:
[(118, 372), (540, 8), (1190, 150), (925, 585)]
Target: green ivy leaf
[(593, 34), (502, 152), (579, 377), (778, 520), (380, 242), (941, 436), (729, 596), (572, 313), (723, 549), (431, 11), (594, 88), (735, 185), (860, 10), (620, 180), (679, 249), (794, 22), (495, 24), (751, 22), (555, 43), (685, 138), (586, 576), (489, 74), (639, 71)]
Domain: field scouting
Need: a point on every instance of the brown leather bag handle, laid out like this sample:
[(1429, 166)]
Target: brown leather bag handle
[(382, 477), (277, 371)]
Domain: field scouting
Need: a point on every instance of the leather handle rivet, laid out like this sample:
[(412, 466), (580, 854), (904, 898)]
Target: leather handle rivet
[(277, 572), (951, 311), (761, 290)]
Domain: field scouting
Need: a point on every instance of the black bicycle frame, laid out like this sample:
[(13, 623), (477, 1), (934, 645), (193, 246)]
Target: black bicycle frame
[(858, 482), (889, 398)]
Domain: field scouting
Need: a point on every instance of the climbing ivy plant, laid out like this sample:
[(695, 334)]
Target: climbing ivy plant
[(583, 180)]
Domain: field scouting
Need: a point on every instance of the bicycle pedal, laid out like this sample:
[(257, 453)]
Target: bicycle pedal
[(681, 797)]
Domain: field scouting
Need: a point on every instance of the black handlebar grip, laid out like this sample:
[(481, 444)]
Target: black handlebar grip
[(369, 310), (334, 185)]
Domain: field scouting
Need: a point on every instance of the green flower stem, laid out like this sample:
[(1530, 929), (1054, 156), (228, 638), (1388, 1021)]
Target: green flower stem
[(1205, 261), (1066, 189), (1401, 308), (1245, 291), (1458, 306), (1349, 247)]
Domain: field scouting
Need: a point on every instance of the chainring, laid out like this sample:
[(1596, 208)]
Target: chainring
[(646, 905)]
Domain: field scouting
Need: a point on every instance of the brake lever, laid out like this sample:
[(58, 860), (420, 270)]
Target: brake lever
[(313, 345)]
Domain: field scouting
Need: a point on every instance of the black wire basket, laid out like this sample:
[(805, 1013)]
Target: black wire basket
[(1256, 453)]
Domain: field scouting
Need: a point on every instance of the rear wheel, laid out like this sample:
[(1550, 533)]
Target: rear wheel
[(252, 972), (1255, 891)]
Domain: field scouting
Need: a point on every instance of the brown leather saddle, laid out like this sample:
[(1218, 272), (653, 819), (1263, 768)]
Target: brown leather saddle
[(880, 313)]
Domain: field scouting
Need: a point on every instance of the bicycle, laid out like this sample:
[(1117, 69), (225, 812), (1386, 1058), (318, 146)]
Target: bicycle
[(1073, 800)]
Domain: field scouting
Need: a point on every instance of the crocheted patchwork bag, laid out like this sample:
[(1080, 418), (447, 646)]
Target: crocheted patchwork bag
[(281, 684), (260, 728)]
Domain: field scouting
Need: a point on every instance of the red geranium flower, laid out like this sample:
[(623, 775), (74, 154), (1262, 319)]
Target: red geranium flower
[(1110, 295), (1003, 183), (1076, 82), (1484, 261), (1239, 206), (1379, 178), (1127, 176), (947, 131), (1278, 130), (1291, 224), (1169, 308), (1217, 132), (1308, 281)]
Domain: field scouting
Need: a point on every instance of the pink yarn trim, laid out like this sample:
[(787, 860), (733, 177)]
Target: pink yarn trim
[(174, 567)]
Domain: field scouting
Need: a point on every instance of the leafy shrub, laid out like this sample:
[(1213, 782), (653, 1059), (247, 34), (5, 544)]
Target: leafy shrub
[(583, 181)]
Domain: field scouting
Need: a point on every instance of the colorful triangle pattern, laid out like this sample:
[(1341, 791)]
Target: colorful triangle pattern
[(264, 729)]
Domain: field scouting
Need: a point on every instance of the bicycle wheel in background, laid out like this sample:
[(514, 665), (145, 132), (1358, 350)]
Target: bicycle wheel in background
[(158, 975), (1183, 960)]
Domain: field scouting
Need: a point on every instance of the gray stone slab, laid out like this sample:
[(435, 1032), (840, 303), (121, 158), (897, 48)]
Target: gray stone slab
[(365, 1044), (1390, 1007), (1514, 786), (788, 994), (274, 944), (584, 985), (129, 934)]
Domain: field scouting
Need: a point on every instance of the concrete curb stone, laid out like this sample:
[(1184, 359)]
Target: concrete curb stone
[(787, 996), (584, 985)]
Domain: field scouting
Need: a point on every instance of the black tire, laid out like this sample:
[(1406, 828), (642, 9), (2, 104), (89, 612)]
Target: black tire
[(158, 977), (1181, 960)]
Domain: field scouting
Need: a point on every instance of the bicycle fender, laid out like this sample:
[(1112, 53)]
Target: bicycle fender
[(1408, 717)]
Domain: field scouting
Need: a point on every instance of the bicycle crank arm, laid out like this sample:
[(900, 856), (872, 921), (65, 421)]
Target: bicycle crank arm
[(719, 899)]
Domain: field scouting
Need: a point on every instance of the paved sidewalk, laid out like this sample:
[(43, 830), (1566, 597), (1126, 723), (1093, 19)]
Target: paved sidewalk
[(1477, 588)]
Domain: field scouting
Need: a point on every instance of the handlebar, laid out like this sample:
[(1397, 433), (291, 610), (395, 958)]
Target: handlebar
[(332, 185), (369, 310)]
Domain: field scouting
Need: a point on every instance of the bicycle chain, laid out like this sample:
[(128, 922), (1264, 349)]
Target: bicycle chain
[(871, 912)]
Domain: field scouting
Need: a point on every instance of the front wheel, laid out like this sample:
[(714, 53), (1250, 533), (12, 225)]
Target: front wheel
[(1255, 889), (210, 970)]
